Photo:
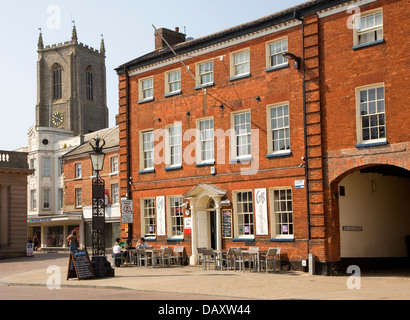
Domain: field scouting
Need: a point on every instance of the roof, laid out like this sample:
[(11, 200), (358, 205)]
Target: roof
[(249, 27), (110, 136)]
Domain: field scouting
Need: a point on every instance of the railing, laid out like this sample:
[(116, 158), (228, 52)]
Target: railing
[(12, 159)]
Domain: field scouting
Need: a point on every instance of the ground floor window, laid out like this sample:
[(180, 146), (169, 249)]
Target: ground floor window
[(149, 222), (54, 236), (282, 212), (244, 213)]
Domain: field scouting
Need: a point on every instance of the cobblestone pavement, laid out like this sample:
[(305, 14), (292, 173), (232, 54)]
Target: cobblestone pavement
[(195, 282)]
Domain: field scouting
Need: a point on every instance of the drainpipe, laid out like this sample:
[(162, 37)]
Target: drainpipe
[(296, 15), (127, 115)]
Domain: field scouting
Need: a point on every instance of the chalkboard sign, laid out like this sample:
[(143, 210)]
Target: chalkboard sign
[(227, 223), (79, 266)]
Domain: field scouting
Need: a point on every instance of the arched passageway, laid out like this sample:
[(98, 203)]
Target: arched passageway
[(374, 213)]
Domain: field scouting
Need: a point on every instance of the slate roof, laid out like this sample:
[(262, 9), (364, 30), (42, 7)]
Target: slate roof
[(237, 31)]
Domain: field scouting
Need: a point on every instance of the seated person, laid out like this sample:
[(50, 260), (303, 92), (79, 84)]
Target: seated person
[(141, 244), (116, 250)]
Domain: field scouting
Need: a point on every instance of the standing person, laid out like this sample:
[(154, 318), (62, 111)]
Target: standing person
[(36, 242), (73, 241)]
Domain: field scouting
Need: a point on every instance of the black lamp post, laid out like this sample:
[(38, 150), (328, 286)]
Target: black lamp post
[(102, 268)]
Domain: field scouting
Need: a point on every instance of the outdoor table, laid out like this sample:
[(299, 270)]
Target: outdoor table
[(256, 256), (131, 253)]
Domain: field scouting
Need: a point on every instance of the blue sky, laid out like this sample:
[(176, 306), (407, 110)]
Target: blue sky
[(128, 34)]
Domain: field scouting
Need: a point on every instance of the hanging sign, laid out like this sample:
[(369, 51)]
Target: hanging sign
[(188, 225), (161, 216), (261, 212)]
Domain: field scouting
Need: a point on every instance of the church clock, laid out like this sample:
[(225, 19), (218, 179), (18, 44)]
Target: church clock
[(57, 119)]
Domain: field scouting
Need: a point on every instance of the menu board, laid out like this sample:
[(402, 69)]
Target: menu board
[(227, 223), (79, 266)]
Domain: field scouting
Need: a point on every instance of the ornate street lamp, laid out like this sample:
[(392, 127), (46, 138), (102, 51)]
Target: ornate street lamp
[(102, 268)]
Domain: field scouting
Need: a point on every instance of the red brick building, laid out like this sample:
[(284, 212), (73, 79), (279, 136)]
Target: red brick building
[(288, 131), (78, 175)]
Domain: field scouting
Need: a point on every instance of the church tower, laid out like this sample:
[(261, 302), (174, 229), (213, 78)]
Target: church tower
[(71, 86)]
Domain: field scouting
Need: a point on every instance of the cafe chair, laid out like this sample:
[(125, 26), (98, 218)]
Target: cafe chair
[(208, 257), (143, 256), (165, 255), (240, 259), (269, 257), (178, 250), (200, 255)]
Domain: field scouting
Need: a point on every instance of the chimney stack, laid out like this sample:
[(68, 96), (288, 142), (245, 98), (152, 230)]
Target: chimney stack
[(172, 37)]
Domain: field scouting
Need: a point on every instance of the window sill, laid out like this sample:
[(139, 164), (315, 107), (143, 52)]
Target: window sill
[(241, 160), (171, 94), (173, 168), (279, 67), (146, 171), (204, 86), (240, 77), (282, 240), (174, 239), (146, 100), (146, 239), (205, 163), (279, 154), (249, 239), (371, 144), (360, 46)]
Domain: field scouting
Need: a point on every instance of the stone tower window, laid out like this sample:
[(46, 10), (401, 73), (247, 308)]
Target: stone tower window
[(90, 84), (57, 82)]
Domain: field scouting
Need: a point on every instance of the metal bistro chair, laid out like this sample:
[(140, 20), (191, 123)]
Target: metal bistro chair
[(200, 255), (208, 256), (227, 259), (178, 250), (239, 258), (143, 256), (253, 257), (270, 257), (166, 255)]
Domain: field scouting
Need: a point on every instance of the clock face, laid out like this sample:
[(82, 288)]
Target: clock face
[(58, 119)]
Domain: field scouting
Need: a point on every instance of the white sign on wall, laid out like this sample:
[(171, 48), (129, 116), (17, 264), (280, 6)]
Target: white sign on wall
[(160, 216), (261, 212)]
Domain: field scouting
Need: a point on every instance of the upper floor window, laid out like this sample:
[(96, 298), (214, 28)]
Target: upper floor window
[(147, 150), (115, 194), (205, 73), (206, 152), (146, 89), (174, 149), (369, 27), (242, 147), (114, 164), (279, 131), (173, 82), (57, 82), (78, 170), (274, 55), (90, 84), (371, 121), (46, 167), (240, 64)]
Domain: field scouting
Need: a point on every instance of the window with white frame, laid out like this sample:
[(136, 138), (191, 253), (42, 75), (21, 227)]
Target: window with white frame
[(33, 166), (147, 147), (278, 129), (176, 216), (46, 198), (33, 199), (78, 198), (146, 89), (114, 165), (244, 214), (275, 50), (206, 152), (240, 64), (115, 194), (174, 156), (205, 73), (78, 170), (242, 132), (173, 82), (148, 213), (371, 122), (282, 213), (46, 167), (369, 27)]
